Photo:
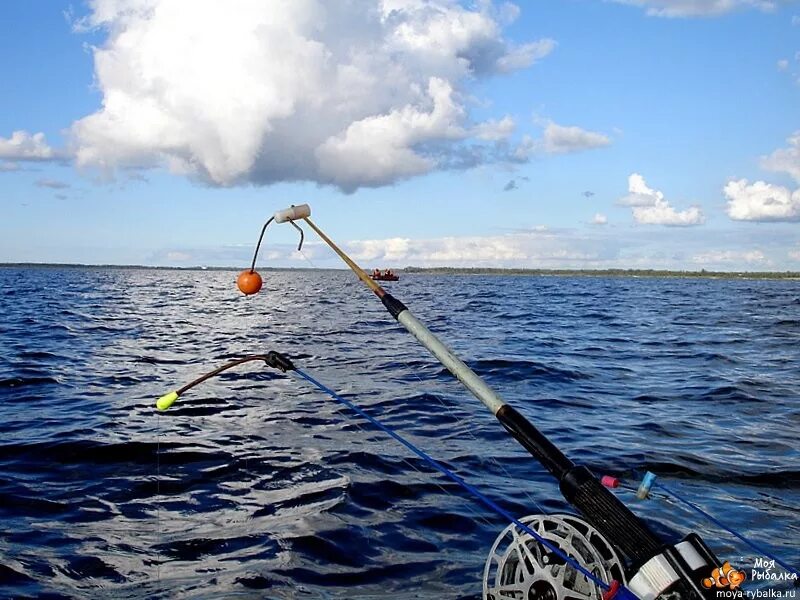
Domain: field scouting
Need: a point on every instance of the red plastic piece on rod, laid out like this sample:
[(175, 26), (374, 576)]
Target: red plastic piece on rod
[(612, 589), (609, 481)]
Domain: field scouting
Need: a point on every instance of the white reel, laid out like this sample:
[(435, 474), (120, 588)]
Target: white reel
[(520, 568)]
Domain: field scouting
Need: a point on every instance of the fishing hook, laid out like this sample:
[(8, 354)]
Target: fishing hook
[(302, 236)]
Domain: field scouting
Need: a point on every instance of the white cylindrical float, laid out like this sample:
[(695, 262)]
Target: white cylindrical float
[(293, 213)]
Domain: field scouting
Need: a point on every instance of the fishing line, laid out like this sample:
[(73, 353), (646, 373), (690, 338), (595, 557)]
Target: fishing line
[(280, 362), (422, 476), (451, 410), (460, 482), (476, 515), (730, 530), (484, 460), (308, 260), (644, 491), (303, 254), (459, 420), (340, 410)]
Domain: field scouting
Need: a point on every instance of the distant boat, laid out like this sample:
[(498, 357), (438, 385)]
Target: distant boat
[(385, 275)]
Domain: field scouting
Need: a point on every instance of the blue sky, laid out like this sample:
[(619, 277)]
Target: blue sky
[(578, 133)]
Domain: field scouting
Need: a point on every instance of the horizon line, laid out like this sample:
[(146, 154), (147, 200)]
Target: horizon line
[(430, 270)]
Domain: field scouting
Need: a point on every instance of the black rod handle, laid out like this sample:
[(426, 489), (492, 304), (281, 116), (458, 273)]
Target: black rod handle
[(615, 521)]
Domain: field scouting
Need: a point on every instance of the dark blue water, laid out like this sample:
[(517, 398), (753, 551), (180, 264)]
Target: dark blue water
[(255, 485)]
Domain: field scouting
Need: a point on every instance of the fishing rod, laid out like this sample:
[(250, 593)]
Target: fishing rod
[(657, 566), (653, 567)]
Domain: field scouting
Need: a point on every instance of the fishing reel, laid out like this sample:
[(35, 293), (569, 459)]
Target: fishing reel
[(520, 567)]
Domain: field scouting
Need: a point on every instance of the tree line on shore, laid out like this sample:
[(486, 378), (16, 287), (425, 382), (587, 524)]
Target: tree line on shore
[(606, 272)]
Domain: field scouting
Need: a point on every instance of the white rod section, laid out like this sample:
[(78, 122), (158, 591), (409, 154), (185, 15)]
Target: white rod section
[(454, 364)]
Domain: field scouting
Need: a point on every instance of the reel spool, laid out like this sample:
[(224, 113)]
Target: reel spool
[(520, 568)]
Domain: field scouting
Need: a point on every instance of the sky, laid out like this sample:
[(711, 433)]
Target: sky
[(586, 134)]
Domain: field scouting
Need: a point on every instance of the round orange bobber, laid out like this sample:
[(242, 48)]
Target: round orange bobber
[(249, 282)]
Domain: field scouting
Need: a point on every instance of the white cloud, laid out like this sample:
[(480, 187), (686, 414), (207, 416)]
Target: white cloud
[(598, 247), (785, 160), (783, 64), (560, 140), (600, 219), (377, 150), (537, 248), (795, 254), (639, 194), (9, 166), (698, 8), (349, 94), (525, 55), (650, 208), (729, 256), (391, 249), (664, 214), (526, 148), (24, 146), (53, 184), (493, 130), (761, 201)]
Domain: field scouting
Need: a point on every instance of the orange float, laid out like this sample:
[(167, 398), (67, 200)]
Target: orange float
[(249, 282)]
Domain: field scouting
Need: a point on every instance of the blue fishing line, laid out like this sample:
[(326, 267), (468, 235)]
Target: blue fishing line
[(719, 523), (623, 592)]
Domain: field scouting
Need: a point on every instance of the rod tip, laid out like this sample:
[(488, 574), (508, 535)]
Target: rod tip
[(166, 400)]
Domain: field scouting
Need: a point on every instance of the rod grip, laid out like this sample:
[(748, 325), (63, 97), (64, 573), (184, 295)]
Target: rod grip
[(609, 515), (584, 491), (534, 441)]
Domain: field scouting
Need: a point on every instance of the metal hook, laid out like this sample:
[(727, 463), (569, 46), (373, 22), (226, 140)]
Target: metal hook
[(261, 237), (302, 236)]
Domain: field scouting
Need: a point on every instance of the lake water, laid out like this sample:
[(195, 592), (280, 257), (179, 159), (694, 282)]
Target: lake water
[(256, 485)]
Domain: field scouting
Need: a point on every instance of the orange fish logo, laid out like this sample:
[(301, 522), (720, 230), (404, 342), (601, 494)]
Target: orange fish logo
[(724, 577)]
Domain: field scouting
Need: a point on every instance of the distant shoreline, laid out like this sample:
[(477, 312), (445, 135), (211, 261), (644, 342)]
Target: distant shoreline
[(148, 267), (653, 273)]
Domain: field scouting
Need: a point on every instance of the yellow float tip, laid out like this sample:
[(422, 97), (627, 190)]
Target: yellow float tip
[(166, 400)]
